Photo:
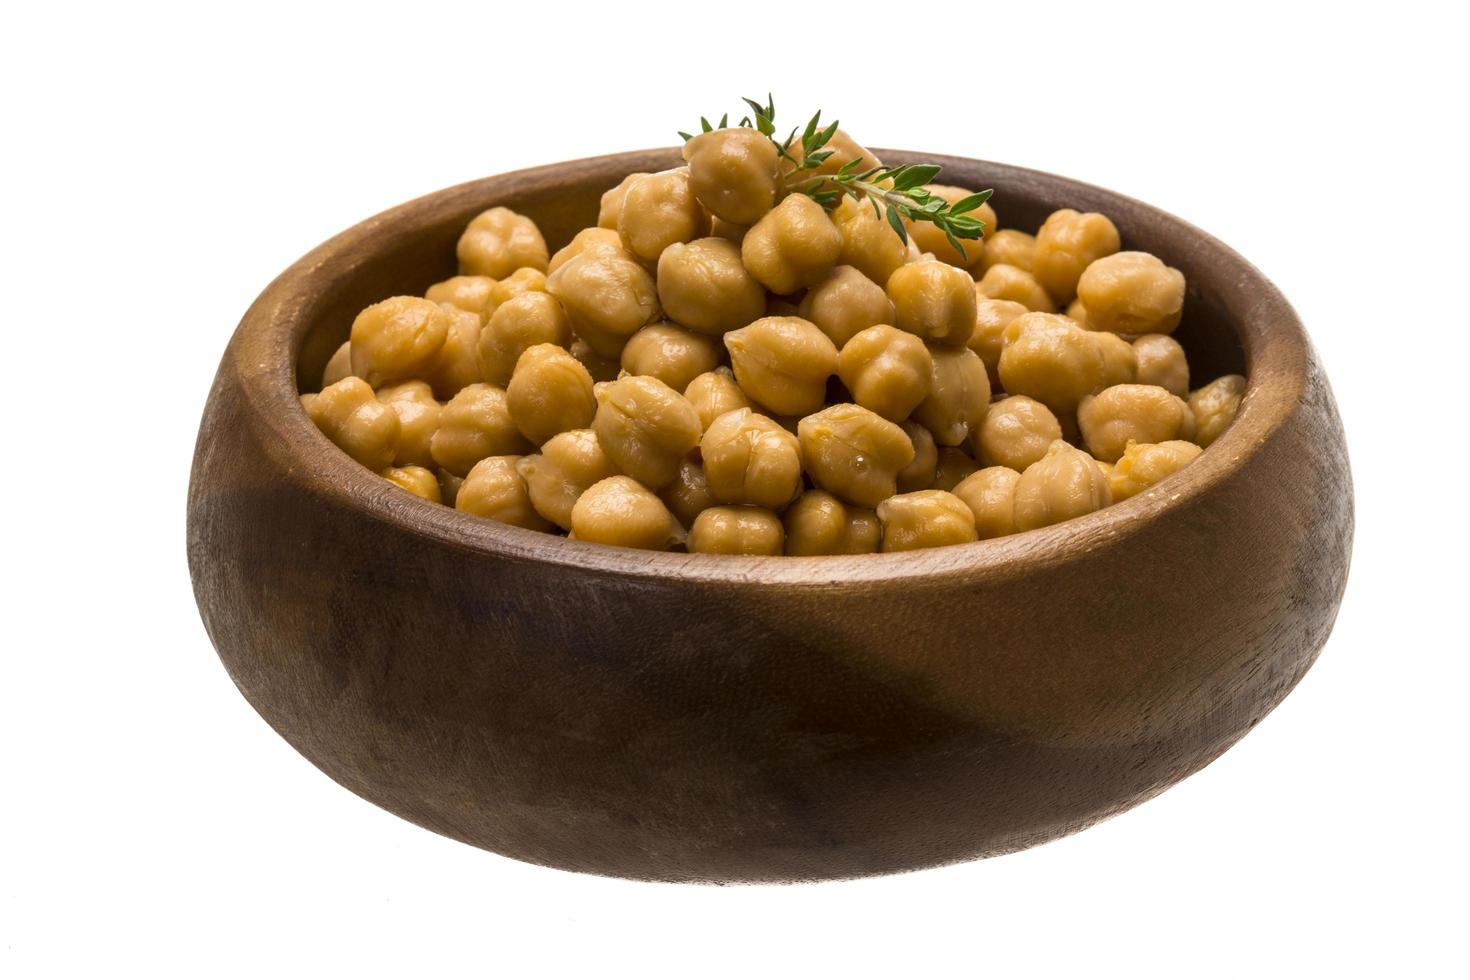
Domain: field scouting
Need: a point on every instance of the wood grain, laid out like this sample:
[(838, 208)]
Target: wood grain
[(702, 718)]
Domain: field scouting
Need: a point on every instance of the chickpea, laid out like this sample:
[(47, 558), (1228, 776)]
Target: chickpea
[(783, 363), (869, 243), (418, 420), (601, 368), (1143, 465), (749, 459), (589, 240), (449, 485), (493, 488), (959, 395), (356, 422), (498, 242), (621, 511), (887, 370), (1214, 407), (733, 173), (1016, 432), (854, 453), (469, 293), (658, 211), (475, 424), (990, 494), (565, 467), (704, 286), (607, 299), (1116, 416), (735, 234), (713, 394), (1052, 360), (845, 303), (670, 353), (689, 494), (518, 283), (646, 428), (954, 466), (930, 238), (737, 531), (1007, 247), (1068, 243), (308, 399), (1132, 293), (934, 301), (794, 246), (516, 326), (1120, 360), (992, 316), (922, 470), (457, 363), (844, 149), (1063, 484), (925, 519), (396, 339), (1078, 313), (549, 393), (415, 479), (1161, 362), (820, 524), (339, 365), (611, 207), (1008, 282)]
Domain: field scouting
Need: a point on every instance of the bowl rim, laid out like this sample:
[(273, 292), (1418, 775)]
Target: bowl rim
[(269, 339)]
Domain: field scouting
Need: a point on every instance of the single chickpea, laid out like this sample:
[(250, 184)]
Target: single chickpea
[(1063, 484), (953, 467), (1132, 293), (1161, 361), (658, 211), (589, 240), (550, 392), (992, 316), (469, 293), (1008, 282), (493, 488), (607, 299), (703, 285), (670, 353), (933, 301), (749, 459), (733, 173), (959, 395), (689, 494), (887, 370), (1049, 358), (925, 519), (921, 471), (732, 233), (457, 362), (415, 479), (396, 339), (646, 428), (516, 326), (339, 365), (737, 531), (418, 420), (930, 238), (518, 283), (990, 494), (1016, 432), (611, 206), (601, 368), (845, 303), (1077, 313), (475, 424), (1116, 416), (869, 243), (1120, 360), (794, 246), (1214, 406), (1143, 465), (621, 511), (449, 485), (1007, 247), (498, 242), (308, 398), (713, 394), (356, 422), (783, 363), (565, 467), (1068, 243), (820, 524), (854, 453)]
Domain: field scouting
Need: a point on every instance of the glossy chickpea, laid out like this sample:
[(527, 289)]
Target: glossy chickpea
[(783, 363), (925, 519), (737, 531), (869, 243), (516, 326), (396, 339), (350, 415), (589, 240), (1132, 293), (713, 394), (660, 210), (1214, 407), (1016, 432), (646, 428), (1077, 313), (954, 465), (854, 453), (1067, 243), (703, 285), (990, 494), (749, 459), (611, 205), (493, 488), (887, 370), (475, 424), (920, 472), (601, 368), (1143, 465), (621, 511), (933, 301), (1161, 361), (416, 480), (670, 353), (562, 471), (689, 494), (959, 395), (992, 316), (845, 303), (930, 238), (468, 293), (1007, 247), (518, 283), (339, 365), (733, 173), (1116, 416), (1017, 285), (498, 242), (550, 392), (607, 299), (794, 246), (457, 362), (820, 524), (418, 419), (1063, 484), (1049, 358), (449, 485), (1120, 360)]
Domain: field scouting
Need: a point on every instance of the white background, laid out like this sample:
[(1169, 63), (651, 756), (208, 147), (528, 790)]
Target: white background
[(161, 166)]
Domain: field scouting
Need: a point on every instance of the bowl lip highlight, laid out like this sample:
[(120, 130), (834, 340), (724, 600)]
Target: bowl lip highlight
[(267, 343)]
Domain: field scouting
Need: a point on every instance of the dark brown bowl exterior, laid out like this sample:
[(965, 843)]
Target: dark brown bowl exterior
[(699, 718)]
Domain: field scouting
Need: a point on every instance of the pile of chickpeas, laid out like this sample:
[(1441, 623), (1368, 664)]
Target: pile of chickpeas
[(721, 367)]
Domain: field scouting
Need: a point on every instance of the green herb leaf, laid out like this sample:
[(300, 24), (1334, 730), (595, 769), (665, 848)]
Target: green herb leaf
[(897, 223), (969, 203)]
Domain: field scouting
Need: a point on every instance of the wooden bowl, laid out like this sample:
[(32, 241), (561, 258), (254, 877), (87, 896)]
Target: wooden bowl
[(703, 718)]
